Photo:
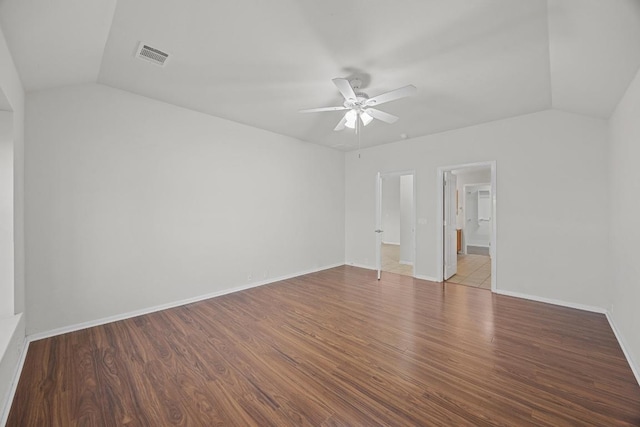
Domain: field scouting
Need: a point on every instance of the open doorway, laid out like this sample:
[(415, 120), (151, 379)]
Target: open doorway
[(395, 219), (468, 225)]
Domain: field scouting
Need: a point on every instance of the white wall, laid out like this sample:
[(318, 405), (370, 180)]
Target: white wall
[(475, 232), (12, 329), (13, 94), (133, 203), (391, 210), (569, 148), (406, 219), (464, 177), (625, 234), (6, 215)]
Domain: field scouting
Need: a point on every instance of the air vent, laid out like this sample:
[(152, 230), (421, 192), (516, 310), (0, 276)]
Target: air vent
[(151, 54)]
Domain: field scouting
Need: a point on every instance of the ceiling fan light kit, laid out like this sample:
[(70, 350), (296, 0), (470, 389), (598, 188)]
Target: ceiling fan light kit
[(359, 106)]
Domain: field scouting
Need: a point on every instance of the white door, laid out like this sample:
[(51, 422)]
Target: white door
[(449, 226), (378, 229)]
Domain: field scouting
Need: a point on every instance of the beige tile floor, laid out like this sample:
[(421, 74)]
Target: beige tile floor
[(391, 261), (473, 270)]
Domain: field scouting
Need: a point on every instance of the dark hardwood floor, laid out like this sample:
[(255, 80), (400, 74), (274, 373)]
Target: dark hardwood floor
[(336, 348)]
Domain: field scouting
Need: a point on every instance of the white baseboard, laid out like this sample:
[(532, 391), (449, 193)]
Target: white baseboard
[(14, 384), (415, 276), (552, 301), (391, 243), (429, 278), (27, 340), (135, 313), (366, 267), (76, 327), (635, 369), (8, 327)]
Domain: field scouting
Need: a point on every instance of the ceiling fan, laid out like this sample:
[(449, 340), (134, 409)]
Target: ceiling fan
[(360, 106)]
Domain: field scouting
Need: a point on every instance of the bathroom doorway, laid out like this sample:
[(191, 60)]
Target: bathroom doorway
[(468, 225)]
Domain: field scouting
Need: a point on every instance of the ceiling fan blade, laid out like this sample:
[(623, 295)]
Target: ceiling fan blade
[(381, 115), (392, 95), (345, 88), (341, 123), (318, 110)]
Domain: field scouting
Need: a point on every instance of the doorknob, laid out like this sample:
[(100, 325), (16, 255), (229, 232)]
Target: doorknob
[(378, 231)]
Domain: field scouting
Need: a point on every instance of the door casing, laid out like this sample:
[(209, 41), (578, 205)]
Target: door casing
[(494, 223), (378, 217), (449, 226)]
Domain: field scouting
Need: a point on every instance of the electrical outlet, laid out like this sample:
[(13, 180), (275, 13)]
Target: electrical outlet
[(249, 277), (266, 274)]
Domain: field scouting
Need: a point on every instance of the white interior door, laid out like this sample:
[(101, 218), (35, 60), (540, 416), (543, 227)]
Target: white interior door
[(449, 226), (378, 229)]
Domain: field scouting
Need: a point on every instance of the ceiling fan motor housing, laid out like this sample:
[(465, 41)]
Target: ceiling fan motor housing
[(355, 83), (360, 105), (359, 102)]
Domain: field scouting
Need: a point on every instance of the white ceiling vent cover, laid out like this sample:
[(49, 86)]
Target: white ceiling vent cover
[(151, 54)]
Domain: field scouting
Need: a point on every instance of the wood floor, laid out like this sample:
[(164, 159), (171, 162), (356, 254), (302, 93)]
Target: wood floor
[(336, 348)]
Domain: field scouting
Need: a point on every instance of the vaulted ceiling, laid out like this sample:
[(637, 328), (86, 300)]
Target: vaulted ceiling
[(259, 62)]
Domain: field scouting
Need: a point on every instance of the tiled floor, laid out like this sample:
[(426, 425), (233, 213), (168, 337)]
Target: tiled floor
[(473, 270), (391, 261)]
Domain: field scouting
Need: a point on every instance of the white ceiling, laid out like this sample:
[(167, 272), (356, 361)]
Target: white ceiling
[(56, 42), (258, 62), (595, 53)]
